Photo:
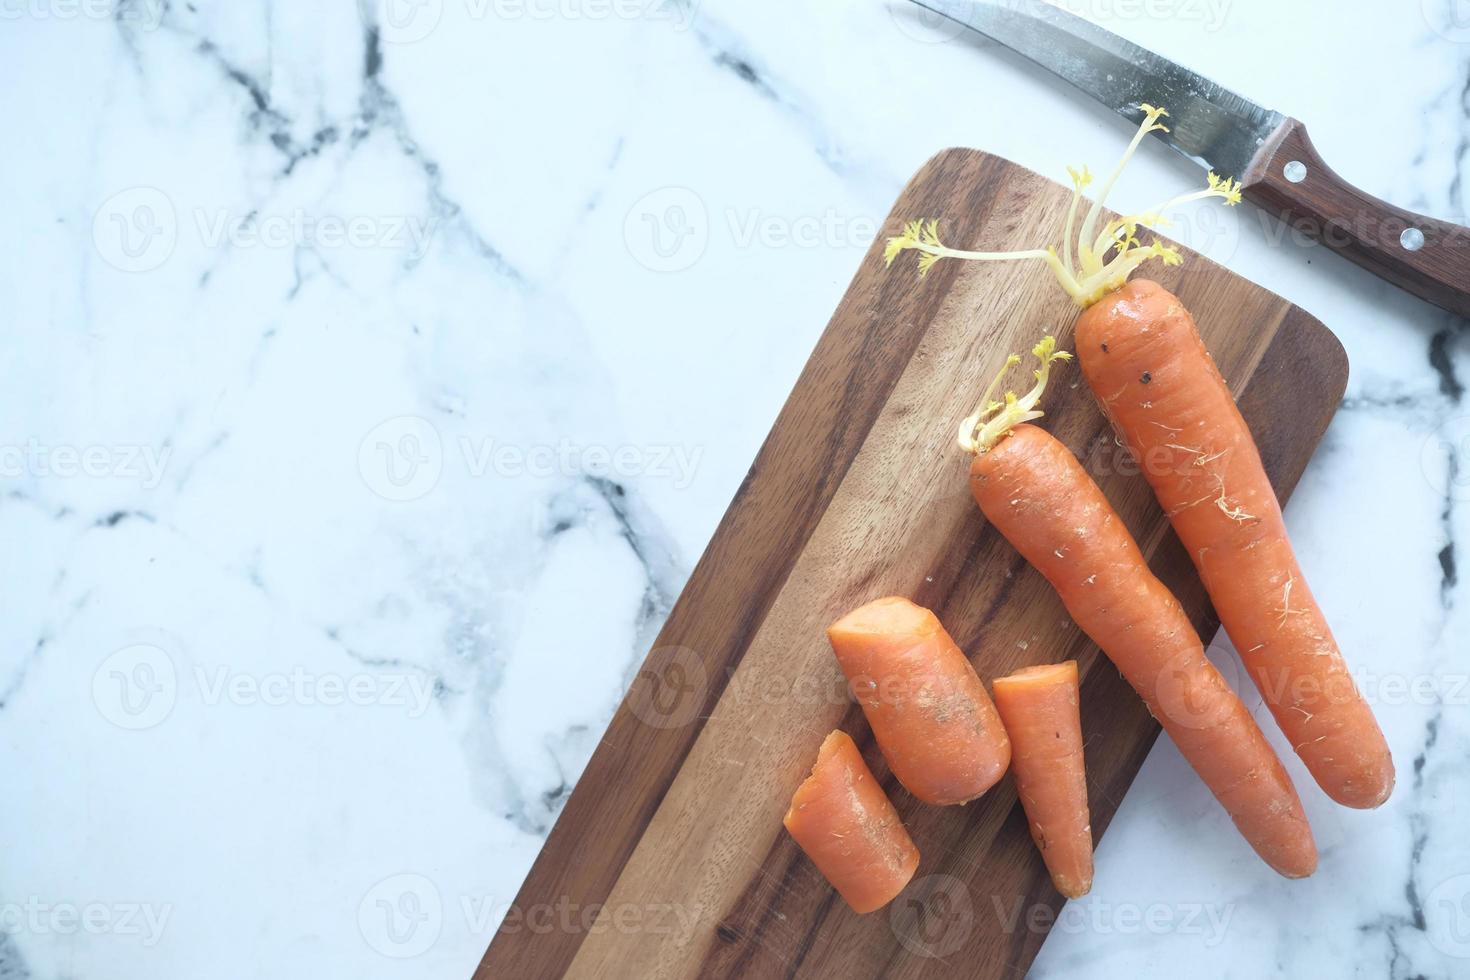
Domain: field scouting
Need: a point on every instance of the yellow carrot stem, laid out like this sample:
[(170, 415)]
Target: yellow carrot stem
[(1103, 261)]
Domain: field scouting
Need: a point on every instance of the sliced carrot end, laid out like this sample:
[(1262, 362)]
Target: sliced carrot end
[(1040, 675)]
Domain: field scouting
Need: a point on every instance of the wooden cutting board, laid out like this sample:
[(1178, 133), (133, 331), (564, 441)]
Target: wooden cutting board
[(670, 859)]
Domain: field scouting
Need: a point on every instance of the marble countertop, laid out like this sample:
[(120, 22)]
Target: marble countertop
[(374, 374)]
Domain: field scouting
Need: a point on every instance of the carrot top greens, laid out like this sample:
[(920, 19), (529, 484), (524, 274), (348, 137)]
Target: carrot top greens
[(1105, 257), (993, 420)]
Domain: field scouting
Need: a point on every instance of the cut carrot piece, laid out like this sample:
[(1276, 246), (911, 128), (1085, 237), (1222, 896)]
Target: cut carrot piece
[(845, 823), (1148, 367), (932, 717), (1039, 708)]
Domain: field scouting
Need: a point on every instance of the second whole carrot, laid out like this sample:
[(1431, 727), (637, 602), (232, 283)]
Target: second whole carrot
[(1035, 492)]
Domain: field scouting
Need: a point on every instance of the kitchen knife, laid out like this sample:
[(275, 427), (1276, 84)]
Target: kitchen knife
[(1269, 153)]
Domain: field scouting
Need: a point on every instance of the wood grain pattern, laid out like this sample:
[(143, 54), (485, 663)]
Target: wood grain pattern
[(1359, 226), (670, 859)]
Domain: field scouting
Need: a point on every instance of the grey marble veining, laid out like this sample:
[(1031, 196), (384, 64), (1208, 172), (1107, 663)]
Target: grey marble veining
[(376, 371)]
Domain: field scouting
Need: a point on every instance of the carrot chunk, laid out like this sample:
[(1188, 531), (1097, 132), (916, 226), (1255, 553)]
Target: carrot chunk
[(845, 823), (932, 717), (1039, 706)]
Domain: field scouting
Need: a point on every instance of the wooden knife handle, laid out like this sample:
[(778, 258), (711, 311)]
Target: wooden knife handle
[(1426, 257)]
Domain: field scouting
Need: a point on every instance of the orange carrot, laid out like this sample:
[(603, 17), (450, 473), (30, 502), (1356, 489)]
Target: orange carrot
[(1036, 493), (1039, 708), (844, 822), (1145, 362), (934, 722)]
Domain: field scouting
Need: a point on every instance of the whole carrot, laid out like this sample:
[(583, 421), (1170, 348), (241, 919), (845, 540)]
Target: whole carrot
[(933, 720), (844, 822), (1036, 493), (1040, 711), (1146, 364)]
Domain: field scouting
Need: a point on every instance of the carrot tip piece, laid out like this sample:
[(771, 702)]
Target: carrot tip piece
[(1071, 890), (1350, 797)]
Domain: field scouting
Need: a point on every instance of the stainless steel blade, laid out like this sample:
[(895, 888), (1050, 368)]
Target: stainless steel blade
[(1207, 123)]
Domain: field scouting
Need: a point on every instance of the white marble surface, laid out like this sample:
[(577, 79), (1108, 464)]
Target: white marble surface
[(366, 403)]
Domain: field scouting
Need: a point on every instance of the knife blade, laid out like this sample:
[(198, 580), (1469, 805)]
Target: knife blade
[(1267, 151)]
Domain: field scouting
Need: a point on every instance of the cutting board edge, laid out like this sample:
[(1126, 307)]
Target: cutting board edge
[(1330, 355)]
